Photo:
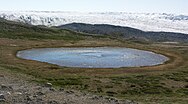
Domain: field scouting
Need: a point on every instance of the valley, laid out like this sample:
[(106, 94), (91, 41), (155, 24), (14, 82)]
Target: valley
[(166, 83)]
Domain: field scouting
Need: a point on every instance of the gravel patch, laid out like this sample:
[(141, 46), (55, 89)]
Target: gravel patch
[(16, 89)]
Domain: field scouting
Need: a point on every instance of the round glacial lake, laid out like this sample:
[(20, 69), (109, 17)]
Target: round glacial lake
[(99, 57)]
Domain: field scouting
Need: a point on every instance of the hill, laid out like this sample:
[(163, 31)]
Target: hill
[(17, 30), (126, 32)]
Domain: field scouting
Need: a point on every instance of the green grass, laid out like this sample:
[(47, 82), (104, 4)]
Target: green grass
[(164, 85), (14, 30)]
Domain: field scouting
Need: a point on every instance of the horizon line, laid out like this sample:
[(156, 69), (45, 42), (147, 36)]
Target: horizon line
[(58, 11)]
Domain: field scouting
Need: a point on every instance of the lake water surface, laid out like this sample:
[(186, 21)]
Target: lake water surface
[(100, 57)]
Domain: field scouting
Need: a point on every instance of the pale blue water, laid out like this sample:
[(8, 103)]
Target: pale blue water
[(101, 57)]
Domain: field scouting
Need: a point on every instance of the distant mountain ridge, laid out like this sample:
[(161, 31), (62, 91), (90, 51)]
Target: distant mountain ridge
[(126, 32), (143, 21)]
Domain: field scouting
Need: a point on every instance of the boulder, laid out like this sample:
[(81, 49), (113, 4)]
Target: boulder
[(2, 98), (48, 84)]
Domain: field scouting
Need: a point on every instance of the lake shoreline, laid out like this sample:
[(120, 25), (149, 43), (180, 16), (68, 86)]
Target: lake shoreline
[(124, 57)]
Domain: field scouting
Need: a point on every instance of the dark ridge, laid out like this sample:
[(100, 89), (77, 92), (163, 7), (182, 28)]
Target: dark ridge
[(18, 30), (126, 32)]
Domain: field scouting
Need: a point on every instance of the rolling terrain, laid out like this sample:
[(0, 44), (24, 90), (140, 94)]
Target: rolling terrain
[(126, 33), (167, 83)]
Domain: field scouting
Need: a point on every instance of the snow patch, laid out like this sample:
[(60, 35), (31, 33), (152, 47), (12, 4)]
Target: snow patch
[(144, 21)]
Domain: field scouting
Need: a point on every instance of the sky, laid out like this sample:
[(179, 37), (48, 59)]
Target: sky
[(141, 6)]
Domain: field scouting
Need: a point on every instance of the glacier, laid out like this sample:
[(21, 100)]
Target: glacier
[(143, 21)]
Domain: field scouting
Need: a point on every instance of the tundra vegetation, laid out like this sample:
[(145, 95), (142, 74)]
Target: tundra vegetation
[(167, 83)]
